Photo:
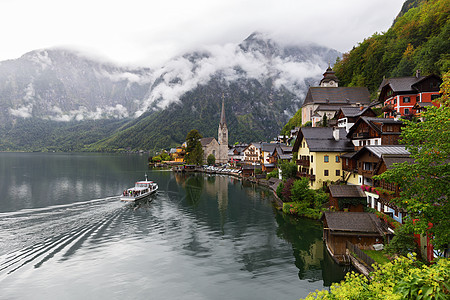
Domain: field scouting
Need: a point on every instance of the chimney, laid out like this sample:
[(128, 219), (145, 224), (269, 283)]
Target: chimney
[(336, 133), (361, 107), (417, 73)]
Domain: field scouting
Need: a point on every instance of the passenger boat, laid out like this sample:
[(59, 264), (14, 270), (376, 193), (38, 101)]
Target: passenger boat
[(140, 190)]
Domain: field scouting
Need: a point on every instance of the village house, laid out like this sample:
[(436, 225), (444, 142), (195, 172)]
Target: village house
[(348, 115), (252, 153), (236, 153), (178, 154), (375, 131), (400, 95), (359, 228), (319, 150), (347, 198), (328, 98), (374, 160)]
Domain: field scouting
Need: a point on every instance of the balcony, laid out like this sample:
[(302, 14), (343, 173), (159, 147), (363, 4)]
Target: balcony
[(303, 162), (367, 173), (303, 174), (387, 108), (364, 135)]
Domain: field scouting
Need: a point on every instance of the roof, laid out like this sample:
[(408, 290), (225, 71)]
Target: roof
[(324, 107), (346, 191), (206, 141), (353, 222), (404, 84), (380, 150), (390, 159), (354, 111), (337, 95), (222, 115), (320, 139), (269, 147), (375, 123)]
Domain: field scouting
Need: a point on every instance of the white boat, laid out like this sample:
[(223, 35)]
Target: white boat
[(140, 190)]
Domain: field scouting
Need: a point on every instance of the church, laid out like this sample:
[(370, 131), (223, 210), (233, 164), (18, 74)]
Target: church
[(217, 148)]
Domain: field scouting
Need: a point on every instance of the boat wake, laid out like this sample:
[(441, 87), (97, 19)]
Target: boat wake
[(33, 237)]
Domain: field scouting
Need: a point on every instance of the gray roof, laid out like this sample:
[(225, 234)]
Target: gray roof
[(390, 159), (380, 150), (320, 139), (346, 191), (269, 147), (324, 107), (337, 95), (400, 84), (353, 111), (206, 141), (353, 222), (373, 122)]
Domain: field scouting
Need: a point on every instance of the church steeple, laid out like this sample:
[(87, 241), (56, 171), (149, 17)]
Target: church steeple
[(222, 115), (329, 78), (222, 136)]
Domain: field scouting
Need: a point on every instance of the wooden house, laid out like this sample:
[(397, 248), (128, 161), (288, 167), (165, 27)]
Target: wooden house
[(360, 228), (348, 115), (375, 131), (347, 197), (399, 95)]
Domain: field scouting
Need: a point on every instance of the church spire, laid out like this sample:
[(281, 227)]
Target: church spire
[(222, 115)]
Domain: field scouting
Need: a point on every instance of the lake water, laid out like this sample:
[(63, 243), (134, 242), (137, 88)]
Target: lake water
[(65, 235)]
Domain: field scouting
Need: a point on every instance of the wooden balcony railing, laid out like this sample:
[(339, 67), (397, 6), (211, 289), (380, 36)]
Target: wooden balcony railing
[(303, 162), (303, 174)]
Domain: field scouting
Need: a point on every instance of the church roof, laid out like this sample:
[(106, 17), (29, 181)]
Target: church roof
[(337, 96), (206, 141)]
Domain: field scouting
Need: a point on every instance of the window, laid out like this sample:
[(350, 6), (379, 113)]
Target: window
[(395, 100), (406, 111), (376, 142), (338, 172), (389, 128), (406, 100), (337, 158), (311, 158), (434, 97), (312, 171), (325, 172), (326, 158)]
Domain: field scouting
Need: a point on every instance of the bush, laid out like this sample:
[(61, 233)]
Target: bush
[(301, 192), (211, 159), (279, 190), (273, 174), (288, 170), (403, 242), (286, 192)]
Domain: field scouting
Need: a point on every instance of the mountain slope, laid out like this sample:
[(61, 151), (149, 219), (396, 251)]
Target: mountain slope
[(262, 82), (419, 39)]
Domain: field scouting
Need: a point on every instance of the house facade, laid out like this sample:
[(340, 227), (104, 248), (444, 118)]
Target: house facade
[(252, 153), (319, 150), (375, 131), (399, 95), (347, 116)]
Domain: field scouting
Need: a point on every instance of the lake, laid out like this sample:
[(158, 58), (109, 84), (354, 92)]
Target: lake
[(65, 235)]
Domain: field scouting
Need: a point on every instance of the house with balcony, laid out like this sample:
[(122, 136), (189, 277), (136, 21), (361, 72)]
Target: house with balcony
[(319, 150), (399, 95), (375, 131), (252, 154), (374, 160), (348, 115)]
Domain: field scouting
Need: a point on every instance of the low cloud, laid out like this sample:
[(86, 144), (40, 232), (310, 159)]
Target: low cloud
[(82, 113), (22, 111)]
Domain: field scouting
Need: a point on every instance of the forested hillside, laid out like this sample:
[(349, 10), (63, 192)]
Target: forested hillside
[(418, 39)]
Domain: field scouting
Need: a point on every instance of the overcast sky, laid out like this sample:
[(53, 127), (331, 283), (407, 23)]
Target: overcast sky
[(148, 32)]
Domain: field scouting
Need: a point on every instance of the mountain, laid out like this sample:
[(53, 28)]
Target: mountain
[(67, 95), (418, 39)]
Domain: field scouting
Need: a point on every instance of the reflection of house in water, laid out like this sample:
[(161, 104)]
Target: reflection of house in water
[(218, 185)]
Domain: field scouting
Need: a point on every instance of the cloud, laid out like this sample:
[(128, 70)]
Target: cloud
[(22, 111), (185, 73), (151, 32), (82, 113)]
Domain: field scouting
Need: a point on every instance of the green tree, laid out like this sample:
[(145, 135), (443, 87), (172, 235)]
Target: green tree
[(288, 169), (295, 121), (300, 191), (425, 184), (211, 159), (194, 150)]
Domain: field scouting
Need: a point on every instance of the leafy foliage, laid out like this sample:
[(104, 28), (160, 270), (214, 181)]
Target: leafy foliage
[(419, 39), (288, 169), (211, 159), (293, 122), (403, 278), (194, 150), (272, 174), (403, 242), (425, 184)]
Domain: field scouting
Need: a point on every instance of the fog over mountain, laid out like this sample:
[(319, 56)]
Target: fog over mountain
[(68, 86)]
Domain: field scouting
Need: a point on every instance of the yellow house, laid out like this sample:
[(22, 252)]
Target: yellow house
[(179, 154), (318, 154)]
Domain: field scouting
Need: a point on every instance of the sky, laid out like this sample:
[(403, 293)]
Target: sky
[(149, 32)]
